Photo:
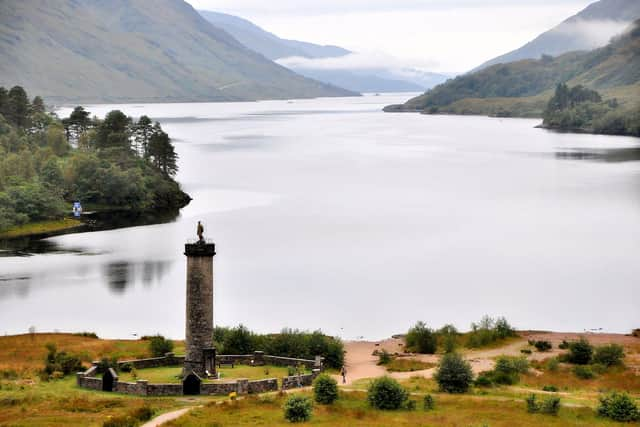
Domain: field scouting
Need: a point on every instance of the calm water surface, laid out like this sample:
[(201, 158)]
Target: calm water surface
[(331, 214)]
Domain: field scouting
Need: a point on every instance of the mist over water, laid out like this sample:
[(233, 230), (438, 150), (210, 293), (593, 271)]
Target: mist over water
[(329, 214)]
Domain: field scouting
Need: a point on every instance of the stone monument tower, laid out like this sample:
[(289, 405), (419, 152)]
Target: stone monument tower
[(200, 355)]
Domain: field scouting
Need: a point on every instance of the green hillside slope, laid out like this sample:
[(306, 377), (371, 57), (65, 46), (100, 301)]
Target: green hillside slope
[(135, 50), (523, 88)]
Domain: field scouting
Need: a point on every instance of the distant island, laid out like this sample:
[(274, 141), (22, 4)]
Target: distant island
[(526, 89), (47, 163)]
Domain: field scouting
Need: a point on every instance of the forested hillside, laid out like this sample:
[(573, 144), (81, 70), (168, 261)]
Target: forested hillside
[(47, 163), (135, 50), (523, 88)]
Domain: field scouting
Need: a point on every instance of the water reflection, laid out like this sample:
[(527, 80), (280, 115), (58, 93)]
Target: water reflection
[(14, 286), (118, 276), (610, 155)]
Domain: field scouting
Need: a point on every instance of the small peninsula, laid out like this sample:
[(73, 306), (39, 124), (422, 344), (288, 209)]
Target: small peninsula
[(47, 163)]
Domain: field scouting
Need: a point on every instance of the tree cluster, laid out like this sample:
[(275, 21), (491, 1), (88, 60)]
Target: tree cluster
[(46, 163), (580, 108), (288, 343)]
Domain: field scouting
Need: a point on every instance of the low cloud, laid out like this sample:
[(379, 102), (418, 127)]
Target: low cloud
[(356, 61), (593, 33)]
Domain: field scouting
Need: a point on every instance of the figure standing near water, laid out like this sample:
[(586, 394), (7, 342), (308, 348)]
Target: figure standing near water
[(200, 232)]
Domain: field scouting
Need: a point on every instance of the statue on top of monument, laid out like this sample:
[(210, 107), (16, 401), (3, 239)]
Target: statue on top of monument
[(200, 232)]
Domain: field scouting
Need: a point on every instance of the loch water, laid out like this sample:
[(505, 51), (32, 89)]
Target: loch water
[(330, 214)]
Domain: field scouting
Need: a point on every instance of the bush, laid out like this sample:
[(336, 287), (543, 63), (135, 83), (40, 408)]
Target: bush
[(60, 362), (580, 352), (619, 407), (488, 331), (609, 355), (387, 394), (325, 389), (550, 388), (428, 403), (552, 364), (583, 372), (454, 374), (525, 351), (485, 379), (563, 345), (384, 357), (550, 405), (448, 335), (421, 339), (543, 346), (298, 409), (159, 346), (411, 405), (126, 367), (507, 370)]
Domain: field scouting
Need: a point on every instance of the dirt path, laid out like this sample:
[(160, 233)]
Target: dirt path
[(166, 417)]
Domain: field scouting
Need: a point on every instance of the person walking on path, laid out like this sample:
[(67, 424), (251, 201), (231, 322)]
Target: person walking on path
[(343, 372)]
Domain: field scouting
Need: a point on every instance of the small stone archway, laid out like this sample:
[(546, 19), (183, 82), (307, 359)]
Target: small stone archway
[(191, 384), (109, 378)]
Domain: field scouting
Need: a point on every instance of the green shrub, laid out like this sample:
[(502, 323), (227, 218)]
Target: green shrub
[(291, 371), (298, 409), (159, 346), (552, 364), (126, 367), (142, 413), (550, 388), (551, 406), (411, 405), (563, 345), (325, 389), (609, 355), (60, 362), (454, 374), (583, 372), (421, 339), (543, 346), (489, 330), (525, 351), (485, 379), (619, 407), (387, 394), (428, 403), (532, 404), (87, 334), (384, 357), (580, 352), (448, 336)]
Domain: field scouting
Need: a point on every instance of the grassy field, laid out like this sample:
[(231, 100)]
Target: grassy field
[(43, 227), (172, 374), (26, 353), (407, 365), (27, 400), (351, 409)]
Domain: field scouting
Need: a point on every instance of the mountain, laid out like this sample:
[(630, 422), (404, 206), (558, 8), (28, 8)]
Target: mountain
[(591, 28), (289, 52), (266, 43), (359, 80), (522, 88), (135, 50)]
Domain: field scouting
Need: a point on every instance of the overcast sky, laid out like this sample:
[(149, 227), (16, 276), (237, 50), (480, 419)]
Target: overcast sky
[(441, 35)]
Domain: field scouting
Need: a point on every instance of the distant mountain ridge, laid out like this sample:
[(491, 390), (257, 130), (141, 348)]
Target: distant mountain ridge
[(522, 88), (277, 49), (266, 43), (127, 51), (591, 28)]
